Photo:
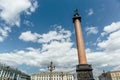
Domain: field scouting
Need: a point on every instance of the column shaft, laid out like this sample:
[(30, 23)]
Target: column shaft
[(80, 43)]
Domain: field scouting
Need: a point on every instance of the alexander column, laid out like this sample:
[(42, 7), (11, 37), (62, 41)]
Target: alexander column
[(84, 70)]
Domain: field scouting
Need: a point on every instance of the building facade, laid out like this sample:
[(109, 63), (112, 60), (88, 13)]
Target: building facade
[(52, 76), (9, 73), (111, 75)]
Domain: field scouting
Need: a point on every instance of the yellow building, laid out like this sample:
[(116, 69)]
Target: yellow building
[(53, 76), (111, 75)]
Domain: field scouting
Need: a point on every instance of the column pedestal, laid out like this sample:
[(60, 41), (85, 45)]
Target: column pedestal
[(84, 72)]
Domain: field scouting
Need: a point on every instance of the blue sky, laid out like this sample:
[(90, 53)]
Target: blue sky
[(35, 32)]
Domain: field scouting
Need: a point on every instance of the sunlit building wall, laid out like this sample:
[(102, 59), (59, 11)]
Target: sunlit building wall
[(111, 75), (52, 76)]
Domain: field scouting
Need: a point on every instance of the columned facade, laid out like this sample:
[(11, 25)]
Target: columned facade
[(53, 76)]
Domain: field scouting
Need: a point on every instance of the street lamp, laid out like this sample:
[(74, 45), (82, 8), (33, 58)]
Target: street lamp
[(51, 67)]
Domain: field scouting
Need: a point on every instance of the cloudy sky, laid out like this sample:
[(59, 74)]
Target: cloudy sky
[(35, 32)]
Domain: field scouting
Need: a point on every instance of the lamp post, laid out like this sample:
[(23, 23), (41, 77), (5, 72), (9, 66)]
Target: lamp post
[(51, 67)]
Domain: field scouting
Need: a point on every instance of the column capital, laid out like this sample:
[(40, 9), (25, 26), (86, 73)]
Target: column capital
[(76, 16)]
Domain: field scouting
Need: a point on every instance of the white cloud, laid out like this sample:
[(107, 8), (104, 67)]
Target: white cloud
[(102, 59), (58, 34), (28, 23), (1, 39), (91, 30), (4, 33), (55, 52), (28, 36), (109, 44), (33, 7), (58, 49), (112, 42), (90, 12), (55, 45), (109, 57), (87, 50), (111, 28), (11, 10)]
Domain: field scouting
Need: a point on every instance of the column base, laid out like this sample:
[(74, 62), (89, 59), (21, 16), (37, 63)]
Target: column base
[(84, 72)]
